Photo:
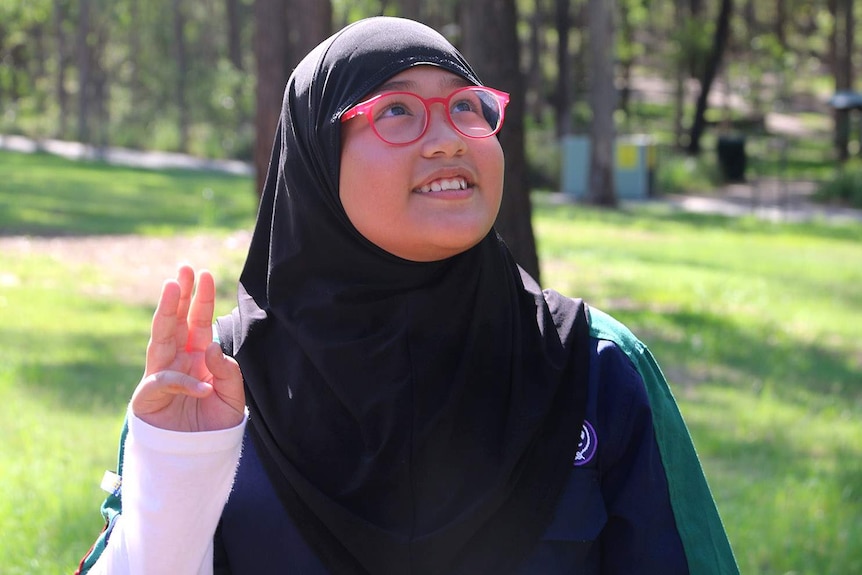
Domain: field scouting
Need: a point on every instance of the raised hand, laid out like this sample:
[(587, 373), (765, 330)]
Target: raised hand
[(188, 383)]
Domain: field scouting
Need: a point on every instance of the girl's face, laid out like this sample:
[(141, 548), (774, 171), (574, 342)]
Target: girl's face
[(392, 194)]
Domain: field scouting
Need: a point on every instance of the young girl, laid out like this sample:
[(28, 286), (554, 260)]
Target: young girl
[(406, 400)]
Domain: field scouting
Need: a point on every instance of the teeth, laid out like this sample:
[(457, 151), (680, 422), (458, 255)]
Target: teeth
[(440, 185)]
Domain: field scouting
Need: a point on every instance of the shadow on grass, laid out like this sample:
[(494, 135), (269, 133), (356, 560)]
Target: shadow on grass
[(752, 358), (100, 378), (45, 195), (773, 417)]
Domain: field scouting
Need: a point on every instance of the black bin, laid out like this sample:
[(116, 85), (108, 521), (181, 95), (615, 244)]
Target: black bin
[(732, 158)]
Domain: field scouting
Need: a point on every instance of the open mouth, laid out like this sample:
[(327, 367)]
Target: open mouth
[(443, 185)]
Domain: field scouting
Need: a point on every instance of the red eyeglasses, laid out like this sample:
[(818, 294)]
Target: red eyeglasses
[(401, 118)]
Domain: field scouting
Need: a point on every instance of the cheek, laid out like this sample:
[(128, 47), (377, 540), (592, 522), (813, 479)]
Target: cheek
[(366, 186), (492, 163)]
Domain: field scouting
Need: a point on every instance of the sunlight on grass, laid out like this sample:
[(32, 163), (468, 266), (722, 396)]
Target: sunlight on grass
[(757, 327), (70, 363), (789, 481)]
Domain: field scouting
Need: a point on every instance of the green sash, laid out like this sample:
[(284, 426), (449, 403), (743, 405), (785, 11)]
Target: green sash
[(707, 548)]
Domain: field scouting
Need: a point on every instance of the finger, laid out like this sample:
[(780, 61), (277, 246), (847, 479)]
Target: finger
[(159, 389), (162, 348), (227, 377), (200, 319), (186, 280)]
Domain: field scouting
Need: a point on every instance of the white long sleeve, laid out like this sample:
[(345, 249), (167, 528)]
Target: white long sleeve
[(175, 486)]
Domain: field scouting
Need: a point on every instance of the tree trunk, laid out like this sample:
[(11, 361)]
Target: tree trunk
[(681, 74), (182, 72), (234, 28), (285, 31), (841, 44), (134, 60), (271, 56), (719, 43), (100, 91), (602, 102), (564, 75), (83, 59), (60, 78), (438, 14), (578, 75), (411, 9), (535, 87), (490, 43), (309, 22), (627, 32), (752, 31), (780, 23)]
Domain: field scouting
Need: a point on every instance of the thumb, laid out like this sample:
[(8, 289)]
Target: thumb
[(156, 391), (227, 377)]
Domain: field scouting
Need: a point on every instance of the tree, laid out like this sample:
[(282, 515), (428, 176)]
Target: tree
[(490, 43), (411, 9), (90, 46), (535, 77), (841, 56), (285, 30), (564, 77), (270, 51), (600, 190), (134, 52), (62, 95), (713, 63), (233, 17), (309, 23), (84, 61), (181, 72)]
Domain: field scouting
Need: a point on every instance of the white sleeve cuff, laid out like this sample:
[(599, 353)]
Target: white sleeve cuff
[(184, 443), (174, 487)]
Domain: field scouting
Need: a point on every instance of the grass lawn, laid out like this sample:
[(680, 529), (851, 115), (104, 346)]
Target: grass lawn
[(756, 325)]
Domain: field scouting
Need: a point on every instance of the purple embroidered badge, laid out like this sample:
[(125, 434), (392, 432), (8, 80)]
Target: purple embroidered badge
[(587, 445)]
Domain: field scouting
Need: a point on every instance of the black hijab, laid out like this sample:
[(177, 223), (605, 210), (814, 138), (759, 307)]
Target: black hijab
[(413, 417)]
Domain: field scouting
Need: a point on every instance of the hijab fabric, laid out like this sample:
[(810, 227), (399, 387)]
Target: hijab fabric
[(414, 418)]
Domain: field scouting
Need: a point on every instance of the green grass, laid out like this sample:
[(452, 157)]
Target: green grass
[(756, 325), (41, 194), (69, 365)]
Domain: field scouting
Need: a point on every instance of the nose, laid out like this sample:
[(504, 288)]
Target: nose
[(441, 137)]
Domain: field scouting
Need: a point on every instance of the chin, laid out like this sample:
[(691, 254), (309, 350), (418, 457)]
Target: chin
[(451, 249)]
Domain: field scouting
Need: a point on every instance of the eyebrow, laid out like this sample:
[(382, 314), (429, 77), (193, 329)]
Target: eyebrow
[(408, 85)]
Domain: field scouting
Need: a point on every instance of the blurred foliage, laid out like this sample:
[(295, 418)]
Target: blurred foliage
[(680, 173), (845, 186), (778, 61)]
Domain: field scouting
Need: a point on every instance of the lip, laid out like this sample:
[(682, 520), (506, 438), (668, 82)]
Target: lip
[(455, 173)]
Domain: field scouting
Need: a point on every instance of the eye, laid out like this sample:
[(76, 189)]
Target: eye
[(396, 106), (394, 110), (466, 103)]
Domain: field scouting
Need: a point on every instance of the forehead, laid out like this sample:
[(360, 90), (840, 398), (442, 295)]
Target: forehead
[(423, 79)]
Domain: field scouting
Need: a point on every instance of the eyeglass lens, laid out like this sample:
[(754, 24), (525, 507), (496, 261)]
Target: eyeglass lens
[(400, 117)]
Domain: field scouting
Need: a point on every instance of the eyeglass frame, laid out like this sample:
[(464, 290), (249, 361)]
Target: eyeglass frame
[(362, 109)]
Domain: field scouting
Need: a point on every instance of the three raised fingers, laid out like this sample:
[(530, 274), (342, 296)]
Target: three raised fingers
[(182, 322)]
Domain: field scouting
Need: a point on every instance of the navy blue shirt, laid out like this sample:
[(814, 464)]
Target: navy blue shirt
[(614, 515)]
